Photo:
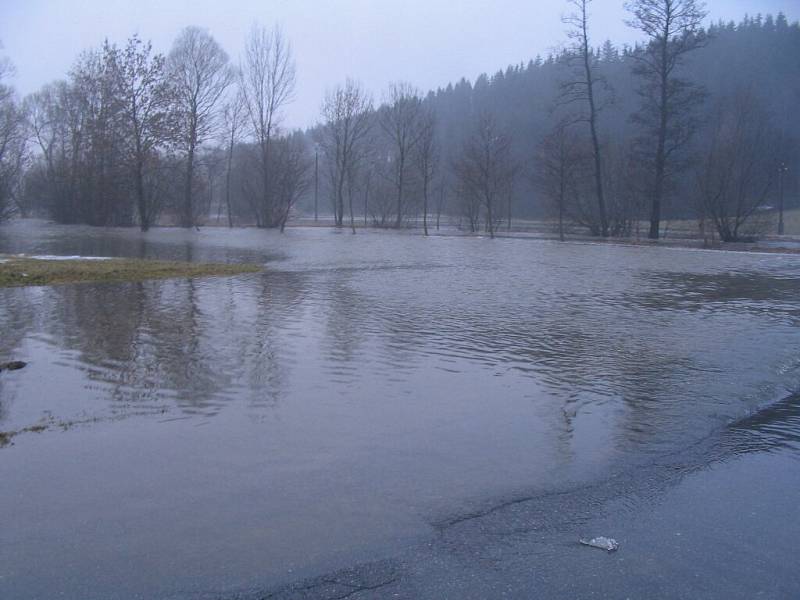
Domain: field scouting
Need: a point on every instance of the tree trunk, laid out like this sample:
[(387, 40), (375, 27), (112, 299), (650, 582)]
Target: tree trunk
[(339, 217), (187, 219), (141, 202), (489, 217), (401, 166), (658, 183), (228, 184), (366, 201), (598, 165), (352, 217), (425, 206)]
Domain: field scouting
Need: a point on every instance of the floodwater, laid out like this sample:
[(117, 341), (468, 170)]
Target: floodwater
[(209, 436)]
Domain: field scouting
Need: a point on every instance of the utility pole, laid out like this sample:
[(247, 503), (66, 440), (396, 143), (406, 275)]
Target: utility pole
[(781, 172), (316, 181)]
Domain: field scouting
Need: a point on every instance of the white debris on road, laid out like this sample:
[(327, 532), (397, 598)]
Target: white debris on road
[(601, 542)]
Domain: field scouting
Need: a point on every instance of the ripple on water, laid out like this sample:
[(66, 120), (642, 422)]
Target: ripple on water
[(392, 372)]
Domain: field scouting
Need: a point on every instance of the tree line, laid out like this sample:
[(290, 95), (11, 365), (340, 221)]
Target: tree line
[(693, 122)]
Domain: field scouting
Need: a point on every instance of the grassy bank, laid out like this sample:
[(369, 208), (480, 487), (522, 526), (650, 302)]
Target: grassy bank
[(20, 271)]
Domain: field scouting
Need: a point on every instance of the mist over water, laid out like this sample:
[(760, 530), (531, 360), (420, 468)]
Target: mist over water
[(338, 404)]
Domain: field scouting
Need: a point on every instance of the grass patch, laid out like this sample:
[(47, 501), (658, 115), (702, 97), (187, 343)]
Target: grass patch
[(20, 271)]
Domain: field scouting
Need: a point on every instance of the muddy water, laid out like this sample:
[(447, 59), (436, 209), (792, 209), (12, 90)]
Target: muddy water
[(215, 434)]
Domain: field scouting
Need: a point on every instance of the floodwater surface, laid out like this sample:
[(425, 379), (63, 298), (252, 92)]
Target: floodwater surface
[(360, 395)]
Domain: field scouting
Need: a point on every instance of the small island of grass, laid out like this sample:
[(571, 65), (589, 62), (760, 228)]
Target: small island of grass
[(27, 271)]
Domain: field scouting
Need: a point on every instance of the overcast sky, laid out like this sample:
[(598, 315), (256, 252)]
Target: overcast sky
[(426, 42)]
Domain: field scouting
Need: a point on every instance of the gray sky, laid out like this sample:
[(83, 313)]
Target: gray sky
[(426, 42)]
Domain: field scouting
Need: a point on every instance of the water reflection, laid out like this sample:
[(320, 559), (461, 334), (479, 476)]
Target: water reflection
[(359, 385), (775, 428), (198, 343), (662, 345), (772, 295)]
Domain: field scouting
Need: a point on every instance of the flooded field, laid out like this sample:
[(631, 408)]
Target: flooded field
[(366, 394)]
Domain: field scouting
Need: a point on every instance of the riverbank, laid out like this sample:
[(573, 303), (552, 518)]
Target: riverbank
[(53, 270)]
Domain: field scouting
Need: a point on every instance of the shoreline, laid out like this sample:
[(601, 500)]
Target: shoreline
[(527, 230)]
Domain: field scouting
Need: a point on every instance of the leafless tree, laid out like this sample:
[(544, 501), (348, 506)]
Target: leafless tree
[(232, 116), (147, 98), (268, 83), (673, 30), (582, 90), (102, 194), (469, 203), (381, 202), (486, 169), (347, 112), (441, 198), (210, 167), (56, 123), (557, 163), (401, 120), (427, 160), (40, 110), (293, 166), (200, 72), (736, 174), (13, 146), (625, 184)]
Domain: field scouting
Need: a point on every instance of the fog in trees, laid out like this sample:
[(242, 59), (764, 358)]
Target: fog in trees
[(427, 161), (485, 170), (735, 173), (401, 120), (599, 139)]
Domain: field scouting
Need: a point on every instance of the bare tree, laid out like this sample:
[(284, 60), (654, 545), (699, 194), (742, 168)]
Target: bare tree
[(13, 145), (293, 166), (673, 29), (427, 160), (40, 110), (736, 174), (100, 144), (558, 160), (200, 72), (441, 198), (401, 120), (232, 117), (583, 90), (147, 98), (211, 167), (486, 169), (268, 82), (347, 112), (469, 203)]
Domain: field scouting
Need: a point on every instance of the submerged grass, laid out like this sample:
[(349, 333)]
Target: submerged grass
[(22, 271)]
